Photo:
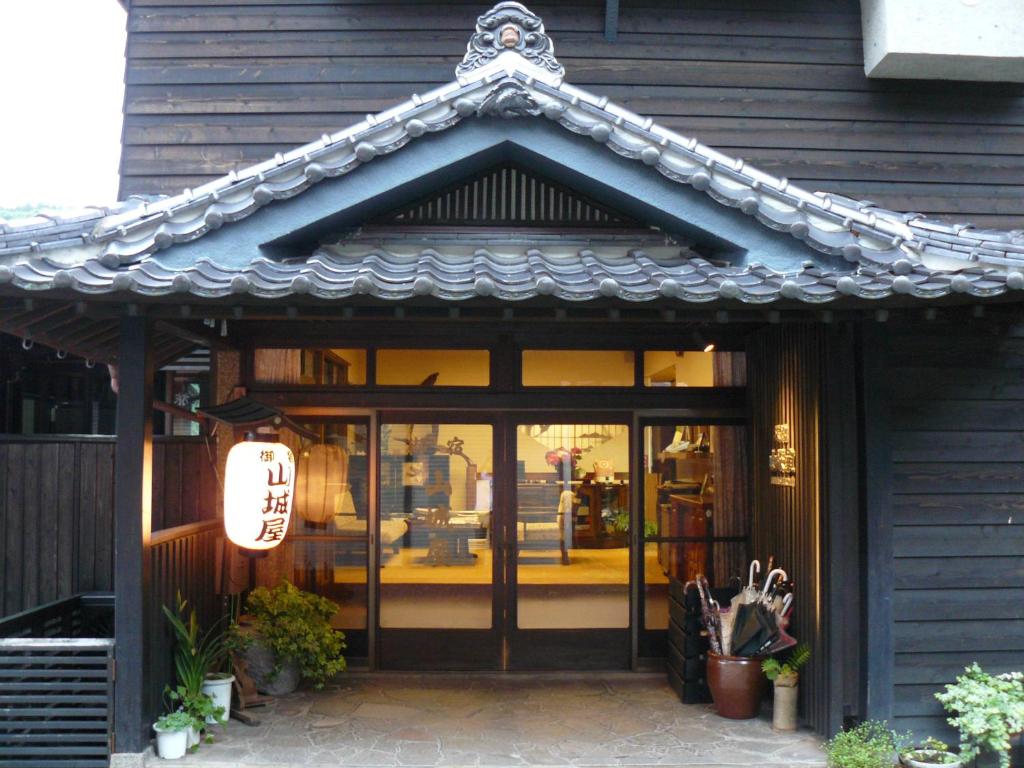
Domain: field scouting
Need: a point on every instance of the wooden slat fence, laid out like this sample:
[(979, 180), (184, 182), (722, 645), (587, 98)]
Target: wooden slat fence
[(56, 502), (56, 684), (181, 559)]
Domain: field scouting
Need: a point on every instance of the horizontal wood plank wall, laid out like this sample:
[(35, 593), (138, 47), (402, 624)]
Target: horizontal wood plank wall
[(56, 506), (785, 370), (217, 84), (957, 425)]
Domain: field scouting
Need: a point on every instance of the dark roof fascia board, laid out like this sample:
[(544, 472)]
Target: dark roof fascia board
[(423, 166)]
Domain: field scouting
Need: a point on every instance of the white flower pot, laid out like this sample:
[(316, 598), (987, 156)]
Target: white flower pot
[(192, 736), (171, 745), (218, 688)]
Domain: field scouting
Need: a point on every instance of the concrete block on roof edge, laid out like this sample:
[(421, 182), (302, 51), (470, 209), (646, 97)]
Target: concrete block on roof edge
[(979, 40)]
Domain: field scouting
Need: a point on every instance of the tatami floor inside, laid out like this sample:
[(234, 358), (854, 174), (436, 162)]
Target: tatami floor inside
[(578, 719)]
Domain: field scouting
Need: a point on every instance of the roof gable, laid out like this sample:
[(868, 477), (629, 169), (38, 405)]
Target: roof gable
[(510, 101)]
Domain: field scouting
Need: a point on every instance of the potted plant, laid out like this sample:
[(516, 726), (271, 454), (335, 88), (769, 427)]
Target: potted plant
[(172, 734), (987, 710), (195, 654), (785, 676), (286, 636), (929, 752), (868, 745)]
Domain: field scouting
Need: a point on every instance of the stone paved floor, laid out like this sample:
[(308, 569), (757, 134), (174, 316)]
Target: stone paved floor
[(596, 719)]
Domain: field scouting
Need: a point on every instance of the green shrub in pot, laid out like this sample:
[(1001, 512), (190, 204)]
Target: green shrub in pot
[(929, 752), (987, 710), (295, 626), (868, 745)]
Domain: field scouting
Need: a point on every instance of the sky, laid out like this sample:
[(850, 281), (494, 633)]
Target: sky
[(62, 65)]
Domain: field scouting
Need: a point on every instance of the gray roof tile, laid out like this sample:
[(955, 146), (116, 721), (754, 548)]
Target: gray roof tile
[(119, 241)]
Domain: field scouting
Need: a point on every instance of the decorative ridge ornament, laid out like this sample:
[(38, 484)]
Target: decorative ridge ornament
[(510, 26), (508, 99)]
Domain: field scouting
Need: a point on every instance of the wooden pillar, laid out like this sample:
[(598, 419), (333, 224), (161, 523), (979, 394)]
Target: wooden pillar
[(132, 524), (879, 651)]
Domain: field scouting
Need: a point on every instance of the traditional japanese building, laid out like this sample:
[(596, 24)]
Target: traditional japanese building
[(500, 277)]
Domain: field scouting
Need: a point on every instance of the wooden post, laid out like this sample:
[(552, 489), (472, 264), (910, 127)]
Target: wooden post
[(879, 652), (132, 525)]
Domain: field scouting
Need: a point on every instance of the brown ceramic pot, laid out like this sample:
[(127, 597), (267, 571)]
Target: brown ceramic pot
[(737, 685)]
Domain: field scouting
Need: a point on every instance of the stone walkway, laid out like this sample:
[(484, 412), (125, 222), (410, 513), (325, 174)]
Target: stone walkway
[(596, 719)]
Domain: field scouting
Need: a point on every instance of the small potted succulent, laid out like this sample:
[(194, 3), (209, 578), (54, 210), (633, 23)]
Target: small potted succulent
[(929, 752), (987, 710), (868, 745), (172, 734), (286, 636), (786, 676)]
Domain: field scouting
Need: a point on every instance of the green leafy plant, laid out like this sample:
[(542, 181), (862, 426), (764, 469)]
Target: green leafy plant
[(620, 524), (868, 745), (295, 625), (787, 672), (178, 720), (932, 752), (195, 654), (987, 710)]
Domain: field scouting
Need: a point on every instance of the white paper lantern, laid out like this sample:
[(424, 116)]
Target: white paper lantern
[(259, 487), (321, 482)]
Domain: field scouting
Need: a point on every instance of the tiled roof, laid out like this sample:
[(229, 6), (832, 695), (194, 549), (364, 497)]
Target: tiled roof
[(570, 275), (514, 75)]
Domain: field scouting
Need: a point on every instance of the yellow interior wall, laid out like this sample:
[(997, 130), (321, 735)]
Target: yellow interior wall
[(690, 369), (457, 367), (579, 368), (356, 359)]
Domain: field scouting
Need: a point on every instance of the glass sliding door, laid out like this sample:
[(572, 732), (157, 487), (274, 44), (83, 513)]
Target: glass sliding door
[(695, 508), (437, 567), (570, 535), (329, 540)]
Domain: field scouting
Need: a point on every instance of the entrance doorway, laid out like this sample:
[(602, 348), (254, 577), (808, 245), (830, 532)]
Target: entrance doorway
[(504, 543)]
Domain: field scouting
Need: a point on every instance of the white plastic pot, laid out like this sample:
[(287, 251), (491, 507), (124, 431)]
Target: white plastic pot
[(192, 736), (171, 745), (218, 687)]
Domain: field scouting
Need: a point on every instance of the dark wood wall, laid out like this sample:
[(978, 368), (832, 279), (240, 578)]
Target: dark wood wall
[(56, 502), (216, 84), (800, 375), (952, 521)]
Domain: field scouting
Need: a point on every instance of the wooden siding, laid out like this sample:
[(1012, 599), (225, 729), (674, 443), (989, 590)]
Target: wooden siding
[(56, 502), (956, 508), (790, 382), (216, 84)]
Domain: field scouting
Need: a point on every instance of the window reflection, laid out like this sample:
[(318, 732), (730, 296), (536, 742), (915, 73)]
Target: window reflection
[(572, 526), (326, 367), (696, 513), (329, 535), (436, 485)]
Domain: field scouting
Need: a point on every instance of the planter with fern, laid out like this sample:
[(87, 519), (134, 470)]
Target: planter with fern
[(785, 675)]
